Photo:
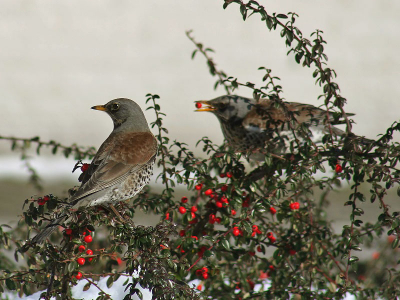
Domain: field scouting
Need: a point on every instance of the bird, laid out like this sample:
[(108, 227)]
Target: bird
[(248, 124), (121, 167)]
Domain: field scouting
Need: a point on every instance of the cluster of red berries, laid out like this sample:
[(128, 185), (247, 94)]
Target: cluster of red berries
[(81, 260), (294, 205), (42, 201), (271, 237), (203, 272), (212, 219), (227, 174), (255, 230)]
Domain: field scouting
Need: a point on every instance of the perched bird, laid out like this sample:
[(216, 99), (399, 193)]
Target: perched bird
[(248, 124), (121, 167)]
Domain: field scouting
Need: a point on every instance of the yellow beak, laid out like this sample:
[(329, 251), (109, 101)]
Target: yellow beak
[(99, 107), (207, 106)]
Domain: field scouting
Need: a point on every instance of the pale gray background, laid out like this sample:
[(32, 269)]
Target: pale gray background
[(59, 58)]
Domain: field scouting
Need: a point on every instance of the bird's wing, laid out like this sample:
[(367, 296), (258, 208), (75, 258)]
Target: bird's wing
[(265, 115), (119, 156)]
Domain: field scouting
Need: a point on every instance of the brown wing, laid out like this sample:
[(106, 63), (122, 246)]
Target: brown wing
[(265, 115), (120, 155)]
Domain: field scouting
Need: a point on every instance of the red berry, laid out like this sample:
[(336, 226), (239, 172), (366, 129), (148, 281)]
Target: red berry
[(85, 167), (208, 192), (81, 261), (229, 174), (251, 284), (199, 287), (198, 186), (252, 253), (292, 252), (254, 227), (338, 168), (182, 232), (376, 255), (294, 205), (219, 204), (68, 231), (205, 275), (194, 237), (259, 249), (253, 234), (236, 231), (218, 220), (224, 199), (246, 202), (224, 188), (272, 268), (222, 175), (78, 275), (184, 199), (119, 261), (193, 209), (199, 105), (201, 251), (167, 216), (194, 221), (81, 248), (46, 198), (88, 239), (41, 201), (182, 210), (233, 212), (272, 210), (193, 215), (211, 219), (272, 239), (89, 252), (204, 270)]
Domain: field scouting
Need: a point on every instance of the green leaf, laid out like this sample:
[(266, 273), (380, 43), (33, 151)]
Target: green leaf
[(10, 284), (225, 244), (110, 281)]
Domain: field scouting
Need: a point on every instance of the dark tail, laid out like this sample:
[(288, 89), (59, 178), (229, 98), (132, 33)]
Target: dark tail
[(45, 233)]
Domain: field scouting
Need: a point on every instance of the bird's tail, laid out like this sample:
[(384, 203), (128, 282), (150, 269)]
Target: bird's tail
[(343, 135), (45, 233)]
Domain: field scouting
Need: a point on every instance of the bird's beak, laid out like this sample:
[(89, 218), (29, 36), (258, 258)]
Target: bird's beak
[(203, 105), (99, 107)]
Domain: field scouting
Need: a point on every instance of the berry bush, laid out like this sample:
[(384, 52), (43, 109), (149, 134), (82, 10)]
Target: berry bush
[(243, 230)]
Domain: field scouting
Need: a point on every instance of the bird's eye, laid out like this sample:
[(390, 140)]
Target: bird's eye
[(114, 106), (222, 106)]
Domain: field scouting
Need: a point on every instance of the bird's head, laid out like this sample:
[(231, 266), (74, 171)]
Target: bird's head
[(227, 107), (125, 111)]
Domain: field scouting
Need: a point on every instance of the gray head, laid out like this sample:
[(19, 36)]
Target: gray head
[(126, 114), (228, 108)]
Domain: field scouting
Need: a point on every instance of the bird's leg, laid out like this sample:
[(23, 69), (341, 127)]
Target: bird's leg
[(122, 219)]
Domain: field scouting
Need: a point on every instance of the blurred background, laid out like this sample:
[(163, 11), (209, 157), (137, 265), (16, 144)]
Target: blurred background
[(59, 58)]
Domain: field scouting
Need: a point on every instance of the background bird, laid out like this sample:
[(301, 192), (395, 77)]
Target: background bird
[(248, 124), (121, 167)]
